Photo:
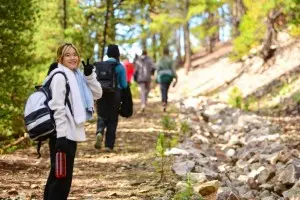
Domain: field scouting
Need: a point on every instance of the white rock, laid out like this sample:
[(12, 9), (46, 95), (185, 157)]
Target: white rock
[(198, 177), (181, 186), (254, 173), (199, 139), (176, 151), (230, 152), (243, 178), (263, 138)]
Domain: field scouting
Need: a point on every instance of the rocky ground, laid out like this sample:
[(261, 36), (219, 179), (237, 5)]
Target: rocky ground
[(238, 155)]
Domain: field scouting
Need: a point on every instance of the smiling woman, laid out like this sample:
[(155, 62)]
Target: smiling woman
[(68, 56), (70, 113)]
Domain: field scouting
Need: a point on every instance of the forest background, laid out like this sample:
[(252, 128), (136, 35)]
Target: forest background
[(32, 30)]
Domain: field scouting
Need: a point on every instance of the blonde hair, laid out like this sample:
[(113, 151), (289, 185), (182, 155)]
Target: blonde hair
[(61, 52)]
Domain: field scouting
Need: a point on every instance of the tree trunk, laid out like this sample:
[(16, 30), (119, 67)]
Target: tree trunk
[(65, 14), (187, 44), (143, 43), (161, 42), (143, 39), (99, 39), (266, 51), (178, 48), (238, 12), (154, 47), (105, 29), (211, 37), (178, 44)]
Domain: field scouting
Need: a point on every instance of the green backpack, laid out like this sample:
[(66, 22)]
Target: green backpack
[(165, 73), (165, 76)]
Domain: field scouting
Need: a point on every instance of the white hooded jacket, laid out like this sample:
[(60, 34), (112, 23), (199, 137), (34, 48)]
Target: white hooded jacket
[(65, 124)]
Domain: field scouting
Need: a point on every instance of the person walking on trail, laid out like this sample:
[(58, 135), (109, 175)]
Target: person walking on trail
[(165, 74), (108, 105), (129, 70), (144, 69), (69, 119)]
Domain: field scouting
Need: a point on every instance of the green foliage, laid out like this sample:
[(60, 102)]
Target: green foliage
[(79, 29), (285, 89), (168, 123), (235, 98), (188, 193), (49, 33), (253, 26), (160, 152), (294, 30), (134, 90), (296, 97), (292, 13), (173, 142), (249, 102), (16, 50), (199, 6), (209, 24), (185, 127)]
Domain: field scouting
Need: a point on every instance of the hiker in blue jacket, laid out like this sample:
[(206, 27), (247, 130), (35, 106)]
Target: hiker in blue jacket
[(108, 105)]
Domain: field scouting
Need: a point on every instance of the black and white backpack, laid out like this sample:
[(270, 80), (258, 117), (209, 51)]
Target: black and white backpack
[(38, 117)]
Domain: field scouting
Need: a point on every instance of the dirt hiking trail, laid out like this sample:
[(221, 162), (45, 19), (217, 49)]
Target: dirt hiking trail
[(127, 173)]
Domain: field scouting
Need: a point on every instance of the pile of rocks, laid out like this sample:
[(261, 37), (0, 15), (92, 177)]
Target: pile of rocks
[(237, 154)]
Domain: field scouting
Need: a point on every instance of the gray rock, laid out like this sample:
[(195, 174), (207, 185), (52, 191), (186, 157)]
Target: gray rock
[(181, 186), (198, 177), (293, 192), (291, 174), (182, 168), (265, 175), (228, 195), (248, 195), (267, 186), (264, 194), (279, 187), (209, 173), (269, 198)]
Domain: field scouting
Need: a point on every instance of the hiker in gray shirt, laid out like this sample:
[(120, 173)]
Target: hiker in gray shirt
[(144, 69)]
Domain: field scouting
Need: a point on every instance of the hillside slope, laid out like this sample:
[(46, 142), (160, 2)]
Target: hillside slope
[(215, 75)]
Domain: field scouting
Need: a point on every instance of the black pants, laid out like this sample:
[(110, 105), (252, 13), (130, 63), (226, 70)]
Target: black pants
[(110, 132), (164, 89), (58, 189), (108, 114)]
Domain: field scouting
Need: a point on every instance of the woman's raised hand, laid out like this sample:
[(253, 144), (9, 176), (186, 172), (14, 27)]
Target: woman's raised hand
[(87, 68)]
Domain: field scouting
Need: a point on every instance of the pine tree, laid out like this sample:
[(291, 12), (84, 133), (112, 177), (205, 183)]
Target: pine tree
[(16, 50)]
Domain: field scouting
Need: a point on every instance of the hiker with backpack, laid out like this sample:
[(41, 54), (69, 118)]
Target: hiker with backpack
[(82, 89), (165, 74), (112, 76), (144, 69)]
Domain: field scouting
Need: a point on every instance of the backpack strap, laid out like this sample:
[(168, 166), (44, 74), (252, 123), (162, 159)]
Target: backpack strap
[(67, 101)]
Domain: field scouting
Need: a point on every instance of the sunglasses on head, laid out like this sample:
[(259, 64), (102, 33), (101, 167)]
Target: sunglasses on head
[(68, 44)]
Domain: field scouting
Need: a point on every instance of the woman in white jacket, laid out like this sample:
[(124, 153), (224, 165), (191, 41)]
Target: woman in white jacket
[(69, 119)]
